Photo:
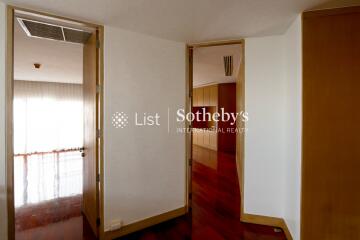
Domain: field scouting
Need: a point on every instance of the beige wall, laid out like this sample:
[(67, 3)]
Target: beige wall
[(265, 137), (293, 65), (273, 140), (144, 165)]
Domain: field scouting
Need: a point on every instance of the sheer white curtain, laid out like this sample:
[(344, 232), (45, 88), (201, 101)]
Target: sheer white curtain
[(48, 124), (47, 116)]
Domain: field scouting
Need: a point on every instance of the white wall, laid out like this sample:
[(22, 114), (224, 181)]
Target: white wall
[(3, 216), (144, 166), (293, 64), (273, 140), (265, 137)]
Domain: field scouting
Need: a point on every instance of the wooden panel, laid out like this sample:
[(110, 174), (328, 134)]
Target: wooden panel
[(206, 138), (206, 96), (331, 130), (200, 95), (148, 222), (213, 101), (200, 138), (267, 221), (90, 187), (195, 137), (213, 140), (195, 97), (227, 133)]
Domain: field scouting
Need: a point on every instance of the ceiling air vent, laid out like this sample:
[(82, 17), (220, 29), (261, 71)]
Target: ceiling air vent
[(53, 32), (36, 29), (228, 65), (76, 36)]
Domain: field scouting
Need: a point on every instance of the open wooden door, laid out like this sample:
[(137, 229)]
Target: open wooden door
[(90, 206)]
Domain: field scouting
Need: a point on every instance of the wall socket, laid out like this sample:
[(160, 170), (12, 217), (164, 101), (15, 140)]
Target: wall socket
[(116, 224)]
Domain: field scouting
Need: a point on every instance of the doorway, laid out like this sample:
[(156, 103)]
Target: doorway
[(55, 99), (216, 86)]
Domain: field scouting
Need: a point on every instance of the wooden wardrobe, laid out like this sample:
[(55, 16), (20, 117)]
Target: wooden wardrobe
[(213, 98)]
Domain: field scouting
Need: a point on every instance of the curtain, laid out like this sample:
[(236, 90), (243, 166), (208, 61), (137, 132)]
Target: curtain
[(47, 116), (48, 133)]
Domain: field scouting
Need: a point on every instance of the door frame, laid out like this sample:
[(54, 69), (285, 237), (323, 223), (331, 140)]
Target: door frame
[(9, 86), (240, 137), (240, 106)]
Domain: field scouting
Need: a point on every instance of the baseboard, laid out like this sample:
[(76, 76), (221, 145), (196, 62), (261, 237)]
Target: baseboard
[(125, 230), (268, 221)]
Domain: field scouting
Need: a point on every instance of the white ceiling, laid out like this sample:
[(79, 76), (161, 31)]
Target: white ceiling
[(208, 64), (60, 61), (182, 20)]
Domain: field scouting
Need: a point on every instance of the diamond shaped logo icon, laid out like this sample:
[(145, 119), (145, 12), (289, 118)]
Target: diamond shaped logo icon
[(120, 120)]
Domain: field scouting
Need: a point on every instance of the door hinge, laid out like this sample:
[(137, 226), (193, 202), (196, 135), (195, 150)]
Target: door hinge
[(98, 43), (98, 88), (98, 177), (98, 221), (98, 133)]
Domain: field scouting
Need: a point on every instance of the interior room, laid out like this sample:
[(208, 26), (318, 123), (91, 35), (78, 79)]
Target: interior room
[(48, 129), (215, 73), (290, 69), (215, 192)]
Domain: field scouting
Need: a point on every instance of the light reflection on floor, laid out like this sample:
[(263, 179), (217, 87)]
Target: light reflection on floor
[(43, 177)]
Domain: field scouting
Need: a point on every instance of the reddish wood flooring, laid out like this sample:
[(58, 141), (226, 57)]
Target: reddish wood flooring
[(214, 214), (58, 219), (215, 206)]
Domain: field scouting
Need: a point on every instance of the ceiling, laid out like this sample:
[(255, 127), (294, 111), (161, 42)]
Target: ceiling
[(208, 64), (60, 61), (184, 20)]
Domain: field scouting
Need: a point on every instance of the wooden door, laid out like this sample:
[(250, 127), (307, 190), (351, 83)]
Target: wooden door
[(331, 125), (91, 169)]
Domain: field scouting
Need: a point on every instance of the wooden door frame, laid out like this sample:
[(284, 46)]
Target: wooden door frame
[(240, 137), (240, 106), (9, 86)]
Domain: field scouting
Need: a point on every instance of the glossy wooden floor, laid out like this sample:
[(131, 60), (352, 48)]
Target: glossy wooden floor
[(49, 205), (58, 219), (215, 206), (214, 214)]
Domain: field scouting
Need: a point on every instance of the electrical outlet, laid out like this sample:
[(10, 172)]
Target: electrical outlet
[(116, 224)]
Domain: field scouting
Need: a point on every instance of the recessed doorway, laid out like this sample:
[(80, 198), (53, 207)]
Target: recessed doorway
[(55, 97)]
